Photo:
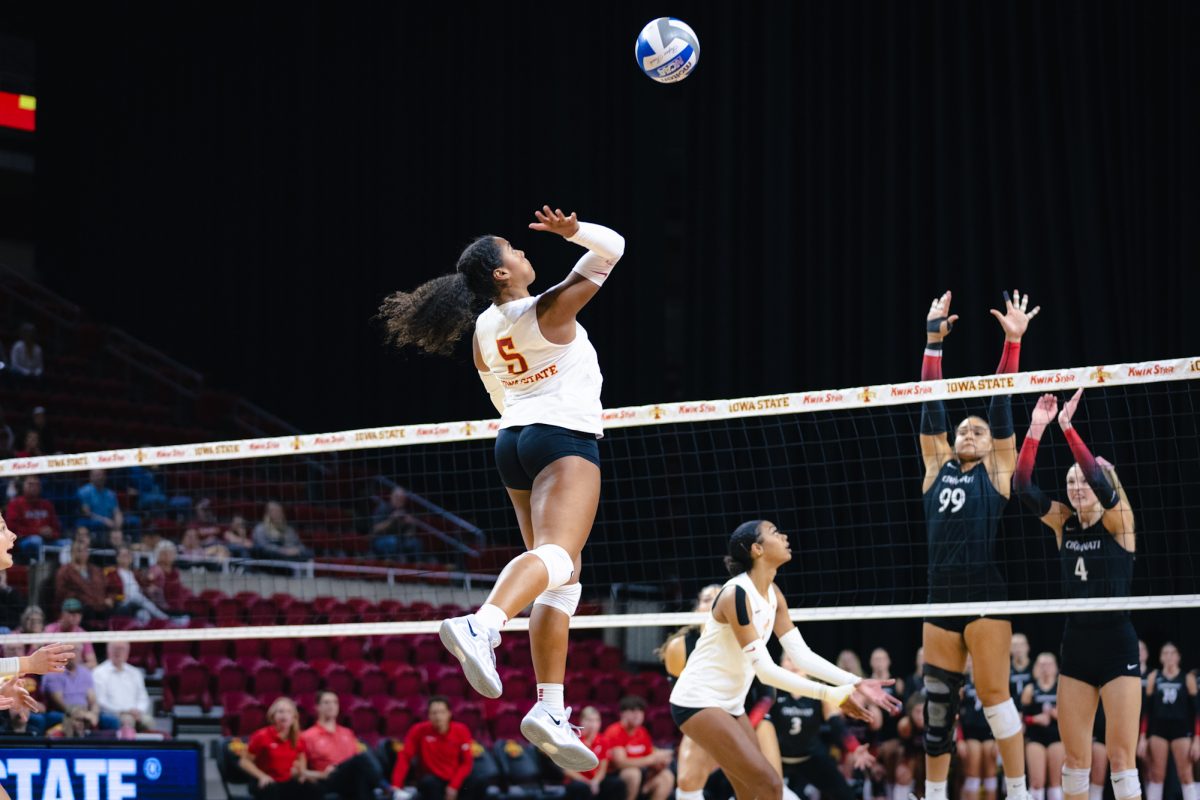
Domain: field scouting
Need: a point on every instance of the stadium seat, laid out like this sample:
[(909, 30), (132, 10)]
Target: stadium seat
[(405, 681), (428, 649), (230, 676), (373, 682), (278, 649), (228, 612), (506, 722), (246, 720), (348, 648), (302, 678), (397, 719), (227, 752), (336, 678), (364, 719), (521, 682), (519, 765), (248, 648), (262, 611), (188, 684), (661, 727), (394, 648), (470, 713), (206, 648)]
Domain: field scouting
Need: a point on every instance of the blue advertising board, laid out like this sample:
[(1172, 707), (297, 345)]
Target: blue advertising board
[(88, 769)]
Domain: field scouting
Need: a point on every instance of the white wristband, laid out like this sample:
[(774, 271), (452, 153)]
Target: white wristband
[(10, 665)]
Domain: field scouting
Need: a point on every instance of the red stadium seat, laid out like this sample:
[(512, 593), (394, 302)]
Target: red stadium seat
[(267, 679), (395, 648), (339, 680), (607, 691), (173, 663), (302, 679), (662, 728), (470, 713), (189, 684), (506, 722), (230, 677), (262, 611), (428, 649), (348, 648), (405, 681), (341, 614), (397, 719), (449, 681), (228, 612), (279, 649), (321, 606), (609, 659), (373, 682), (365, 719), (299, 612), (211, 647), (198, 608), (247, 720), (248, 648)]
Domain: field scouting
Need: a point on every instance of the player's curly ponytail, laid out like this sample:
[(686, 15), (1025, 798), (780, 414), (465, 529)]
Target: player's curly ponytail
[(743, 538), (434, 316)]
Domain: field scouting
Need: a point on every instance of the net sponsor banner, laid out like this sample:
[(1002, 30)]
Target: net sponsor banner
[(1144, 372), (41, 769)]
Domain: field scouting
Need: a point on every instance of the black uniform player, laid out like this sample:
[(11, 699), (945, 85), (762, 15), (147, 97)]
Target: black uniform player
[(1020, 672), (806, 759), (1171, 695), (1043, 750), (1096, 540), (965, 489)]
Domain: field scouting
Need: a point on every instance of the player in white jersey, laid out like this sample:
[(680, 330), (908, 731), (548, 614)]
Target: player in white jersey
[(708, 701), (543, 377)]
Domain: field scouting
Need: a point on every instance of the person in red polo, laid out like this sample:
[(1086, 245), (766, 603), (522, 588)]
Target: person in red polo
[(595, 782), (274, 757), (333, 760), (642, 767), (32, 517), (442, 748)]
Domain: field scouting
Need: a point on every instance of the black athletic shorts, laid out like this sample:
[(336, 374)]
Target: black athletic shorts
[(682, 714), (524, 451), (980, 733), (1171, 729), (959, 624), (1096, 654)]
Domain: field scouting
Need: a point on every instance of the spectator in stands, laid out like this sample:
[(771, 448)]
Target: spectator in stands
[(124, 586), (31, 446), (26, 358), (275, 539), (595, 782), (46, 436), (76, 723), (238, 538), (12, 604), (7, 438), (194, 547), (849, 661), (121, 687), (274, 756), (33, 620), (75, 688), (164, 583), (642, 767), (32, 517), (394, 530), (233, 537), (442, 749), (83, 581), (70, 621), (98, 508), (916, 681), (334, 761)]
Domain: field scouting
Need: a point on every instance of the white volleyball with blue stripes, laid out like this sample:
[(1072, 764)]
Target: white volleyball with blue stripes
[(667, 50)]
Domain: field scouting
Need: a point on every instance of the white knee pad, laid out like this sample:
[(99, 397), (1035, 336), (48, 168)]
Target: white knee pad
[(564, 598), (1003, 719), (1075, 781), (1126, 784), (558, 564)]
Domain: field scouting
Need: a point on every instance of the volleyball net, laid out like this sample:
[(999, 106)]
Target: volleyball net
[(386, 530)]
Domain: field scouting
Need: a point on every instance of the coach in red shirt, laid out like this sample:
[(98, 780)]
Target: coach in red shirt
[(643, 768), (594, 782), (334, 762), (442, 748)]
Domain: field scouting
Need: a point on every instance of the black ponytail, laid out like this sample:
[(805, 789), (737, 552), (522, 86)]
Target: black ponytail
[(743, 538), (435, 315)]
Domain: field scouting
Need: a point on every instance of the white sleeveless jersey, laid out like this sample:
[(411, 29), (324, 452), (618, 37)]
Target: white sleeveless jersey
[(717, 674), (547, 383)]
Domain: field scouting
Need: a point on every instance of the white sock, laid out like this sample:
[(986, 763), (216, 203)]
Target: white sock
[(935, 790), (1037, 794), (1154, 791), (1189, 791), (788, 794), (1054, 793), (696, 795), (1014, 787), (971, 788), (550, 695), (1095, 792), (492, 616), (901, 791), (990, 784)]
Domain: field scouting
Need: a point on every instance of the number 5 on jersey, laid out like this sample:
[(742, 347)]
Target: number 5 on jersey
[(508, 351)]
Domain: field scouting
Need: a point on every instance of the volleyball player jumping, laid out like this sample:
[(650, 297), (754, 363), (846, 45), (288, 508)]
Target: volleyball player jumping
[(1095, 537), (542, 375), (965, 489), (708, 701)]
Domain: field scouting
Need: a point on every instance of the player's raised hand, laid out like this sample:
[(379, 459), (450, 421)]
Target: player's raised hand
[(13, 694), (555, 221), (872, 689), (1043, 414), (1015, 319), (939, 321), (1068, 411)]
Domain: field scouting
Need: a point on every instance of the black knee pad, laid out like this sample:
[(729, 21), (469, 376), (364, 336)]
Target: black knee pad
[(942, 694)]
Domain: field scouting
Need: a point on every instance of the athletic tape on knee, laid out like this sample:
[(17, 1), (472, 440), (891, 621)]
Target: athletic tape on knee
[(558, 564), (1076, 780), (1003, 719), (990, 784), (564, 598), (1126, 784), (942, 689)]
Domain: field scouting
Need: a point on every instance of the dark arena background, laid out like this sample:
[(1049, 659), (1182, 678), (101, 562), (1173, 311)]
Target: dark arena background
[(202, 206)]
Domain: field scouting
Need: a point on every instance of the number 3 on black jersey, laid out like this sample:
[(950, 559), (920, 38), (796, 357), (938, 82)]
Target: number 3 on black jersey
[(952, 499)]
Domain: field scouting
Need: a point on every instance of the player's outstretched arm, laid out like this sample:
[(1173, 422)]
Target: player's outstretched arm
[(1118, 515), (559, 305), (1014, 322), (935, 447), (1051, 512)]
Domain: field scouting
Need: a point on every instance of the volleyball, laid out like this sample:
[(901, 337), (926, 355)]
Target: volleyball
[(667, 50)]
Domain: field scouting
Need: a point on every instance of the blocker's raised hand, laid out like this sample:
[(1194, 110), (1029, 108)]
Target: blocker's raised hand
[(1015, 319), (555, 221), (939, 321), (1068, 411)]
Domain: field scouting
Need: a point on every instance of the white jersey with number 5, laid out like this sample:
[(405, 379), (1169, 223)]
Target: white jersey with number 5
[(717, 673), (554, 384)]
